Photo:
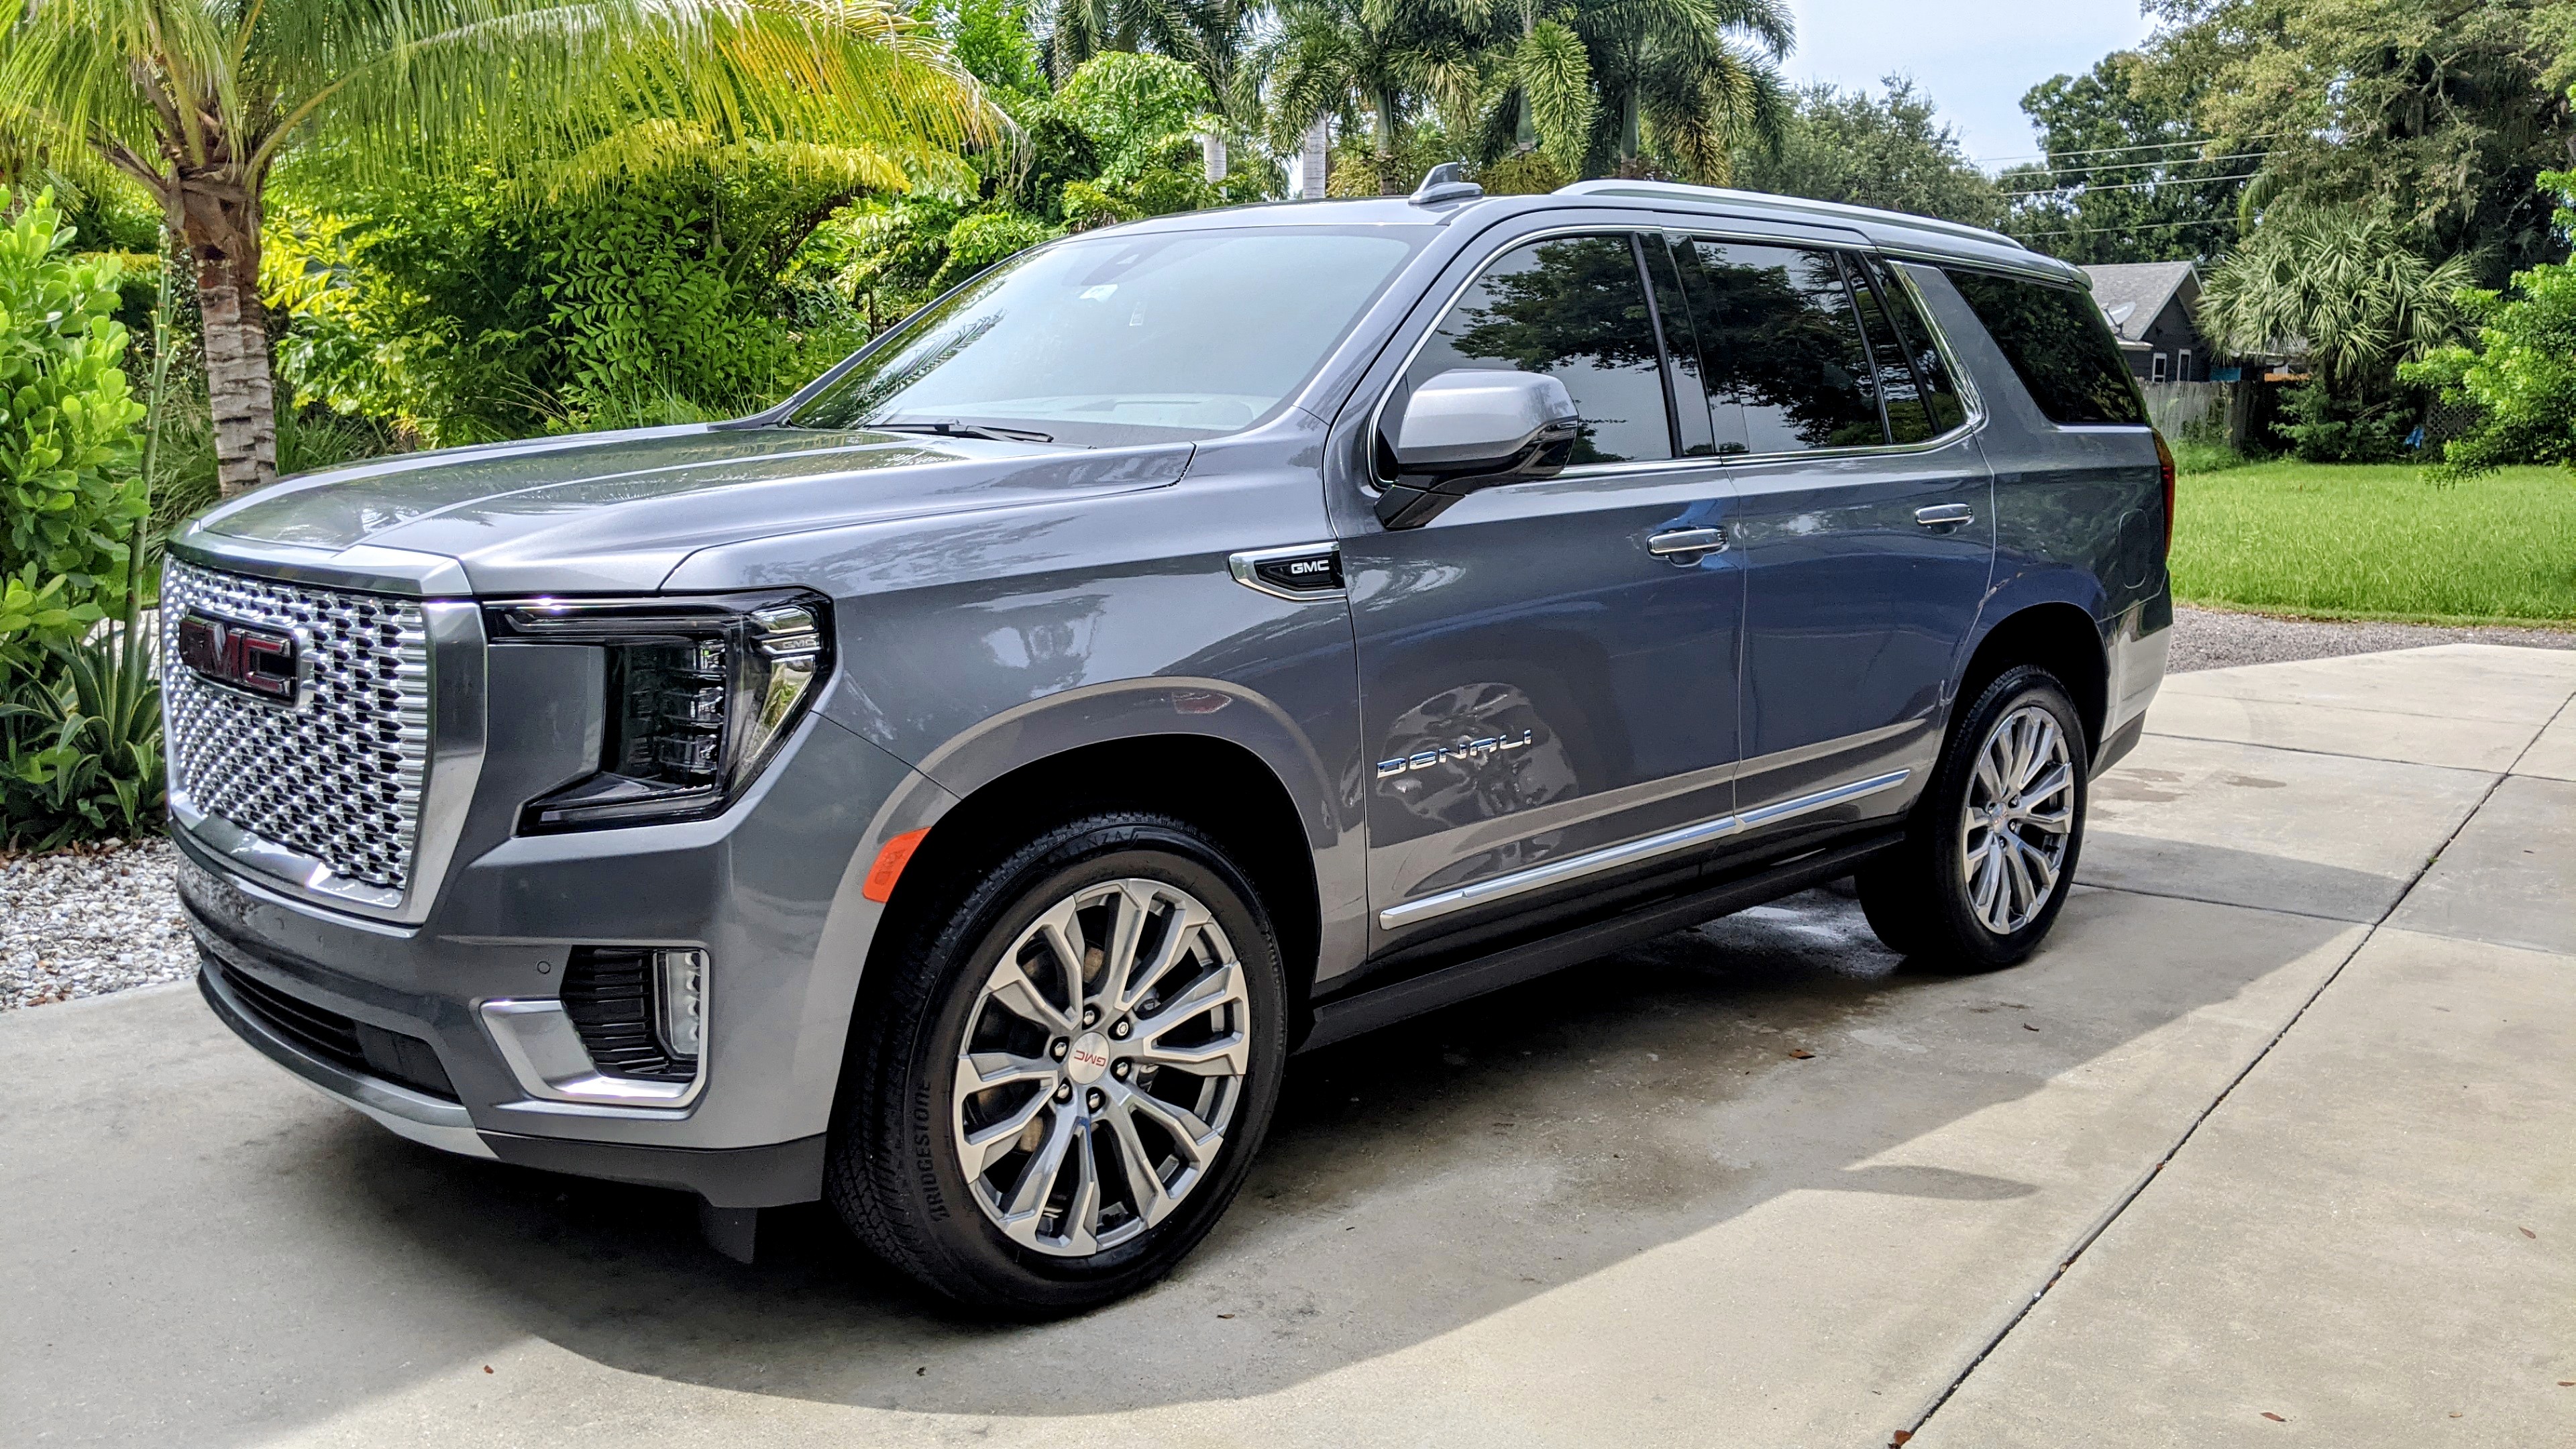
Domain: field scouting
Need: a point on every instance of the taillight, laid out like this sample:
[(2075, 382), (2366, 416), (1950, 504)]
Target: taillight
[(2165, 467)]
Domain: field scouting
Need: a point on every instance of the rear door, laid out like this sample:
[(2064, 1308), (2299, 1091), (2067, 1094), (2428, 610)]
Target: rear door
[(1547, 686), (1863, 520)]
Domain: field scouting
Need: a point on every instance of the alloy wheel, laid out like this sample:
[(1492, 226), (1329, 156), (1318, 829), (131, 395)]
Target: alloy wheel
[(1101, 1067), (2018, 817)]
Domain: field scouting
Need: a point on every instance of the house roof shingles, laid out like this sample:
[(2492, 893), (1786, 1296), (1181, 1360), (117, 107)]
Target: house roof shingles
[(2132, 293)]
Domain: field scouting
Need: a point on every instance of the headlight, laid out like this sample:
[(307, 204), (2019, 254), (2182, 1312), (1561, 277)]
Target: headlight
[(701, 692)]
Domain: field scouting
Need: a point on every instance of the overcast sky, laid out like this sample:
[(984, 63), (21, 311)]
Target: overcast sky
[(1974, 57)]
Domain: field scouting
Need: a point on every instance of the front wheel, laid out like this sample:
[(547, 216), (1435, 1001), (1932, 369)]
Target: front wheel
[(1070, 1073), (1991, 850)]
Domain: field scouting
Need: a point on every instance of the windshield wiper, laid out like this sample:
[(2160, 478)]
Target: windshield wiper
[(951, 428)]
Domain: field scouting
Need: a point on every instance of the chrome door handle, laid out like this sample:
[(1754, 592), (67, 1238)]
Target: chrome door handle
[(1687, 540), (1940, 515)]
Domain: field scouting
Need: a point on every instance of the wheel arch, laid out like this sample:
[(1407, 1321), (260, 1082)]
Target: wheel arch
[(1202, 752), (2057, 636)]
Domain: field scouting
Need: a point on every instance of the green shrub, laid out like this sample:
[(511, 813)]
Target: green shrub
[(2323, 426), (417, 306), (80, 747), (2204, 450), (2522, 371), (70, 492), (452, 311)]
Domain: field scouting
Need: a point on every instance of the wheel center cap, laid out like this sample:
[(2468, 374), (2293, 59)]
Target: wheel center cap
[(1088, 1059)]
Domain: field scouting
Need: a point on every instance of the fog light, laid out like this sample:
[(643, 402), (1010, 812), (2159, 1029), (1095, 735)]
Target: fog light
[(680, 1001)]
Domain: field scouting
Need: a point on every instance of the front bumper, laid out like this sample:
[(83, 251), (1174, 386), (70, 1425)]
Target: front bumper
[(769, 891)]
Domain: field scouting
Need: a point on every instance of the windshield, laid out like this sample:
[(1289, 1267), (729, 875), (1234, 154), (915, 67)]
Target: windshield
[(1137, 339)]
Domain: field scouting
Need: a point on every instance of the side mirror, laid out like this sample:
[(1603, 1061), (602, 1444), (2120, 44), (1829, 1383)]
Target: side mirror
[(1468, 429)]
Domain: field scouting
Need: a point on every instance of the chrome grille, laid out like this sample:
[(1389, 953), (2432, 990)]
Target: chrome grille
[(338, 777)]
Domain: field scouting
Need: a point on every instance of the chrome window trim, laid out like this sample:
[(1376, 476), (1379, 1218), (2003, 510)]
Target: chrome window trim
[(1971, 400), (1633, 852)]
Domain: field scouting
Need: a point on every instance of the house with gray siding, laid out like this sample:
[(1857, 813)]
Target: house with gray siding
[(2149, 306)]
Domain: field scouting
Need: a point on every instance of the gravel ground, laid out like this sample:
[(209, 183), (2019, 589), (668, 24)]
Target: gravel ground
[(92, 921), (78, 923), (2211, 639)]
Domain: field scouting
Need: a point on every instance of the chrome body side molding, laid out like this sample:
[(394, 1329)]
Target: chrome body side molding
[(1633, 852)]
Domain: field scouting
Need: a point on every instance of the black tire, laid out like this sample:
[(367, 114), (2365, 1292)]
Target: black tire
[(1920, 899), (895, 1172)]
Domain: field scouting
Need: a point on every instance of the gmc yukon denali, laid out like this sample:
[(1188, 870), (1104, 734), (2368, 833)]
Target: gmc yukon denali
[(956, 792)]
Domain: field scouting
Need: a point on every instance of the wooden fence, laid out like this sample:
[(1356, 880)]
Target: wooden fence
[(2177, 408)]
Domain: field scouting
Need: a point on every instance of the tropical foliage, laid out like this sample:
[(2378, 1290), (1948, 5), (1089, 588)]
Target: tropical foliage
[(70, 491), (2521, 372), (2126, 173), (200, 101), (80, 745), (2435, 115), (79, 719), (2342, 290), (1535, 89), (1890, 150)]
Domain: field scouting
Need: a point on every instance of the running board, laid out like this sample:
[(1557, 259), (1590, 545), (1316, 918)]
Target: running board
[(1366, 1011)]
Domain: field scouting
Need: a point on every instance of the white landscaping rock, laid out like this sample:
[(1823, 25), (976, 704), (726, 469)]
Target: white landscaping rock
[(78, 923)]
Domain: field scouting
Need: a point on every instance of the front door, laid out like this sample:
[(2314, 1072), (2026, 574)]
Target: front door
[(1548, 670), (1864, 523)]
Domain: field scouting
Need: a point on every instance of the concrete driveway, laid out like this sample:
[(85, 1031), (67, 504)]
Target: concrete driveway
[(2276, 1141)]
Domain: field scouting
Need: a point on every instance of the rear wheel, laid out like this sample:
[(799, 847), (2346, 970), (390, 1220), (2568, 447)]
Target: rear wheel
[(1068, 1079), (1990, 853)]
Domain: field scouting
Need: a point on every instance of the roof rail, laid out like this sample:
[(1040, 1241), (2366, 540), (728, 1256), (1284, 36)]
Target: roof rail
[(1833, 210)]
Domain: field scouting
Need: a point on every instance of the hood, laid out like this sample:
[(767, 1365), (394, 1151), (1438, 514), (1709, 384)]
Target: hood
[(609, 512)]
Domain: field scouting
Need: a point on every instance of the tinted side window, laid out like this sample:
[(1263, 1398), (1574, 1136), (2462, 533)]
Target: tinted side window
[(1932, 371), (1575, 308), (2058, 345), (1900, 391), (1781, 343), (1691, 412)]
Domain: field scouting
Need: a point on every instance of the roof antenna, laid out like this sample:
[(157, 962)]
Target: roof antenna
[(1446, 182)]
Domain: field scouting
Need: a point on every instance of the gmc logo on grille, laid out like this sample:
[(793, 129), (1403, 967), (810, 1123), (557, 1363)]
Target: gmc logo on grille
[(246, 657)]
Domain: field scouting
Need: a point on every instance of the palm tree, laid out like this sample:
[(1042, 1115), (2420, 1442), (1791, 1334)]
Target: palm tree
[(1544, 77), (1374, 63), (200, 100), (1206, 35), (1671, 72), (2341, 288)]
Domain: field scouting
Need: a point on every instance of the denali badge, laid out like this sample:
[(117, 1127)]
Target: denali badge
[(1474, 752), (255, 660)]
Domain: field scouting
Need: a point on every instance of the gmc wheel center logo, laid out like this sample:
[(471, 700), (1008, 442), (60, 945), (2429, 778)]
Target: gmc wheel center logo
[(246, 657)]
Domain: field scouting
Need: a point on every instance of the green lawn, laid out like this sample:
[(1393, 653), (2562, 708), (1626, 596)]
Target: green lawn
[(2377, 542)]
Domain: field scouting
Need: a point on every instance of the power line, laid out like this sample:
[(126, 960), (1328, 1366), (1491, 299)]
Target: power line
[(2156, 226), (2168, 161), (2138, 185), (2143, 146)]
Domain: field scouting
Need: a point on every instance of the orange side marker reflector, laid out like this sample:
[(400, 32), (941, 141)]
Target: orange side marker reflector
[(897, 854)]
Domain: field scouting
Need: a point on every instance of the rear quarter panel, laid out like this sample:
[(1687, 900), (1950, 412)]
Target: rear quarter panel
[(2079, 513)]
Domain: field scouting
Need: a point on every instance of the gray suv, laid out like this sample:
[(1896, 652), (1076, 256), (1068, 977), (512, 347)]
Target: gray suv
[(954, 793)]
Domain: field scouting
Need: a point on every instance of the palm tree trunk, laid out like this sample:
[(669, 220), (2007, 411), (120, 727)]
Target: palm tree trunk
[(219, 217), (1525, 130), (1388, 183), (1630, 164)]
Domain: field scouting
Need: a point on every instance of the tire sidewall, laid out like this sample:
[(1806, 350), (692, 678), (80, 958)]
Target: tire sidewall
[(2015, 688), (958, 1233)]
